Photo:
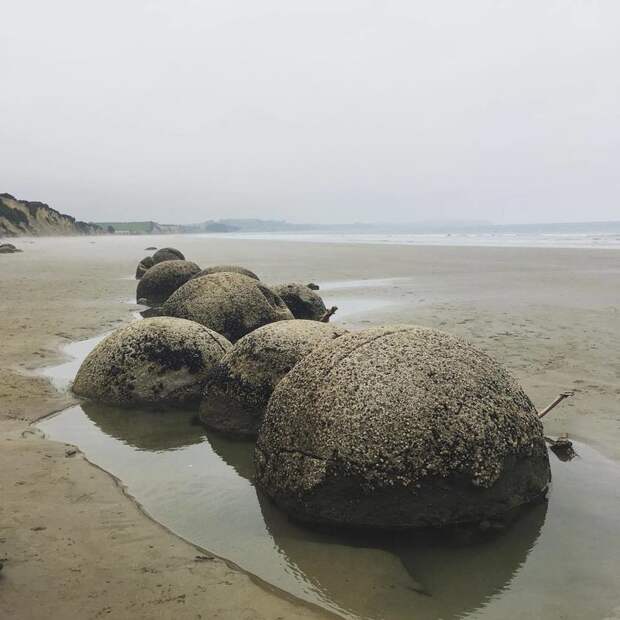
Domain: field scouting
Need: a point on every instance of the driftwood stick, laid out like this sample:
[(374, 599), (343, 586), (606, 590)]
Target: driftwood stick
[(557, 401), (325, 318)]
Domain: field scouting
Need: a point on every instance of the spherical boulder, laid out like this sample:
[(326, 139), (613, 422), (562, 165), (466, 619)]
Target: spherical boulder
[(143, 266), (164, 254), (399, 427), (158, 360), (301, 300), (229, 303), (238, 388), (228, 269), (162, 279)]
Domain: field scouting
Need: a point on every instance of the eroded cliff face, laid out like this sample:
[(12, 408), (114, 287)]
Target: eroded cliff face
[(21, 217)]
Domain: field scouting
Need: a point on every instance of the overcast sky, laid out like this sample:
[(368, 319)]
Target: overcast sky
[(314, 110)]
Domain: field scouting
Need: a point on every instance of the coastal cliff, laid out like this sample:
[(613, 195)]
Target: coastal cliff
[(21, 217)]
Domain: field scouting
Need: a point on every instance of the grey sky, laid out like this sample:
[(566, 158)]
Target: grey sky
[(321, 110)]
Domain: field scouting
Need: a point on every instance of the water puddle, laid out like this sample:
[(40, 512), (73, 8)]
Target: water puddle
[(62, 376), (351, 307), (559, 559), (352, 302), (353, 284), (562, 555)]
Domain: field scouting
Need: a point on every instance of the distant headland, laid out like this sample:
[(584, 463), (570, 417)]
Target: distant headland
[(24, 218)]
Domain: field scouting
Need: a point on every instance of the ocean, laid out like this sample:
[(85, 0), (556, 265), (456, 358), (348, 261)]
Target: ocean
[(590, 240)]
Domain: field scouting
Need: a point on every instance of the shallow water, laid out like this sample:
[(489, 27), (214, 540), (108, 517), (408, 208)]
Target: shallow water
[(357, 284), (559, 559), (62, 376), (601, 235)]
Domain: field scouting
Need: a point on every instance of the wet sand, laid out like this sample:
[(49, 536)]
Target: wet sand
[(552, 316)]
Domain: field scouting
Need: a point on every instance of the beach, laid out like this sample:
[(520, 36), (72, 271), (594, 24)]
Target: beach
[(76, 546)]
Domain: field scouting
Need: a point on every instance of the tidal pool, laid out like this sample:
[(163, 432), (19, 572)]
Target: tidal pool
[(558, 559)]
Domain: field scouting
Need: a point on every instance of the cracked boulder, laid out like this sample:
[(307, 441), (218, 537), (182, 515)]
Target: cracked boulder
[(143, 266), (238, 388), (162, 279), (229, 303), (301, 300), (400, 427), (228, 269), (164, 254), (158, 360)]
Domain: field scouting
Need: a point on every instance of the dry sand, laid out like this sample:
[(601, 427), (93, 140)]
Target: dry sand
[(552, 316)]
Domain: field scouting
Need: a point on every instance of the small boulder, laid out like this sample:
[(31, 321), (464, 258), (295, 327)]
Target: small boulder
[(143, 266), (400, 427), (238, 388), (8, 248), (161, 280), (158, 360), (228, 269), (312, 286), (167, 254), (150, 248), (229, 303), (302, 301)]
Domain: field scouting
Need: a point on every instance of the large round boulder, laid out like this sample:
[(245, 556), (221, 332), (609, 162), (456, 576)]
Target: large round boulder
[(238, 388), (228, 269), (159, 360), (229, 303), (162, 279), (164, 254), (301, 300), (399, 427), (143, 266)]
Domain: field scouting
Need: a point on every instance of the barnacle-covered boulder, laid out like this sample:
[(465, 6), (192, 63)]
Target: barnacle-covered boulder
[(143, 266), (238, 388), (167, 254), (399, 427), (162, 279), (301, 300), (228, 269), (229, 303), (158, 360)]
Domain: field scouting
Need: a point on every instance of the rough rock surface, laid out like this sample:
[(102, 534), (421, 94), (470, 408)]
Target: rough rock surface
[(238, 388), (228, 269), (167, 254), (301, 300), (229, 303), (159, 360), (398, 427), (143, 266), (162, 279)]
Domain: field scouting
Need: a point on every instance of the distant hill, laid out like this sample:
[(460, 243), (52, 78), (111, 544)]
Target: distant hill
[(231, 225), (132, 228), (22, 217), (275, 226)]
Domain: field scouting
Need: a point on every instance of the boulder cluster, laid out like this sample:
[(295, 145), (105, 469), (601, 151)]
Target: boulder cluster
[(387, 428)]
